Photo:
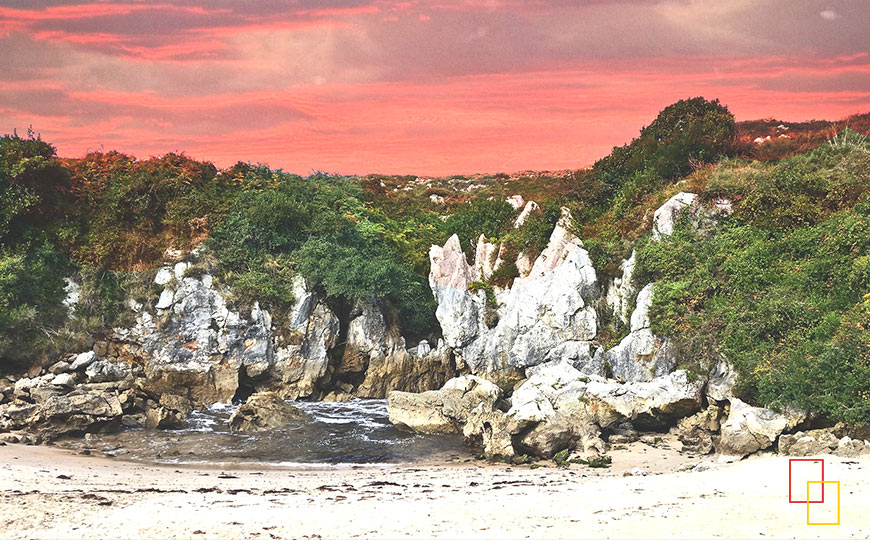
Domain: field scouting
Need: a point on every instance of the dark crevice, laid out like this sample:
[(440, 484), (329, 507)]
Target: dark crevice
[(245, 388)]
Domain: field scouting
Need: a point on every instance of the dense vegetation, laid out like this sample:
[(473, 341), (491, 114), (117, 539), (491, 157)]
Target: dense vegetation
[(781, 288), (777, 289)]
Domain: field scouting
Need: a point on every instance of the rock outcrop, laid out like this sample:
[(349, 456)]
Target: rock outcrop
[(702, 217), (264, 411), (546, 315), (816, 442), (194, 345), (557, 408), (641, 355)]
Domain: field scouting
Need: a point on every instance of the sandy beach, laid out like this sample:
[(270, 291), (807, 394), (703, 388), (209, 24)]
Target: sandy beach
[(48, 492)]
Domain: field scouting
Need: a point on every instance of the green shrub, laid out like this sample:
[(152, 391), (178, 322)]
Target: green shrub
[(489, 217), (31, 309)]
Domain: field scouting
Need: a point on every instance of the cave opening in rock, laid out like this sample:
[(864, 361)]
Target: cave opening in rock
[(245, 388)]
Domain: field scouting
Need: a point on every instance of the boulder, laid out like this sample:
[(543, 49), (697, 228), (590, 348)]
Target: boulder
[(162, 418), (419, 413), (696, 432), (105, 405), (564, 403), (820, 441), (490, 429), (18, 414), (83, 360), (264, 411), (749, 429), (177, 403), (64, 379), (447, 410), (105, 371), (649, 405), (851, 448), (59, 367), (168, 412), (78, 411), (21, 388), (45, 389), (570, 427), (7, 390)]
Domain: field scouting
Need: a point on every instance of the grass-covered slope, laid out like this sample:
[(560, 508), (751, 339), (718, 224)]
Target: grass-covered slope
[(778, 290)]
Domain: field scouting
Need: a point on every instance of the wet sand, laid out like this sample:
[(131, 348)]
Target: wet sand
[(49, 492)]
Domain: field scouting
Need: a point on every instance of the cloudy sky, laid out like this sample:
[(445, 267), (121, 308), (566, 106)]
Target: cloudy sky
[(413, 86)]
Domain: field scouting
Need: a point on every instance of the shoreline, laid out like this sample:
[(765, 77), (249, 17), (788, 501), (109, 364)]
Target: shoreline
[(49, 492)]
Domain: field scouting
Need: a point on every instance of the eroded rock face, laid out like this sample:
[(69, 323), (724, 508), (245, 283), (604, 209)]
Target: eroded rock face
[(264, 411), (721, 382), (543, 316), (194, 343), (641, 355), (409, 371), (621, 289)]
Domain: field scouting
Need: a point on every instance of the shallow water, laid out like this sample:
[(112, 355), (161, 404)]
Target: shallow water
[(355, 432)]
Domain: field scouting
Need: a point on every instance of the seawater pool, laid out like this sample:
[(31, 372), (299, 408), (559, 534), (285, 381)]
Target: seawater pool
[(356, 432)]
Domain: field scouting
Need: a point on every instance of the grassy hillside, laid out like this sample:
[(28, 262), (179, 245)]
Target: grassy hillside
[(778, 290)]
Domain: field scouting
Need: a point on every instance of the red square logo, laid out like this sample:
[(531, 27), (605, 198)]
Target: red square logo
[(801, 471)]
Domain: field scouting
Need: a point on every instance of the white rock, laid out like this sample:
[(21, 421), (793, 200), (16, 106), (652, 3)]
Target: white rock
[(530, 208), (164, 276), (621, 289), (668, 214), (749, 429), (180, 269), (63, 379), (546, 309), (516, 201), (641, 355), (73, 294), (83, 360), (105, 371), (721, 382), (167, 297)]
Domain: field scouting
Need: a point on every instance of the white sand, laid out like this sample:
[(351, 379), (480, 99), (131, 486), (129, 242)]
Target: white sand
[(100, 499)]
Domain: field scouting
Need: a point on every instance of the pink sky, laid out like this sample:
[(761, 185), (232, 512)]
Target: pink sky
[(417, 86)]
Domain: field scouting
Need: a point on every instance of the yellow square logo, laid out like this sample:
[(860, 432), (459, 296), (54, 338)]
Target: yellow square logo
[(826, 511)]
